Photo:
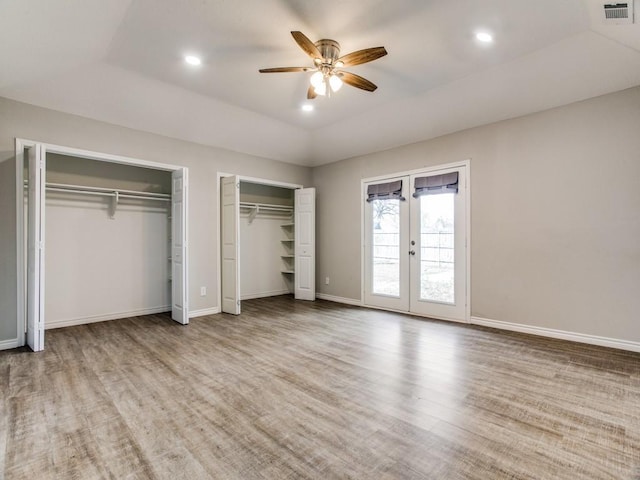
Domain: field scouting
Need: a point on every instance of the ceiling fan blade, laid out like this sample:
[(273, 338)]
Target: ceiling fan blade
[(362, 56), (357, 81), (311, 93), (306, 45), (285, 69)]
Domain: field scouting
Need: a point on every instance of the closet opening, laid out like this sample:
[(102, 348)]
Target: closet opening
[(267, 240), (106, 234), (107, 231)]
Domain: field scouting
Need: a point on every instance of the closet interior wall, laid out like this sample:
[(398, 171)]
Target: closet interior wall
[(266, 249), (104, 263)]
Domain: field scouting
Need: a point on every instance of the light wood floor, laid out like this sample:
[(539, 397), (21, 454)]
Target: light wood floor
[(295, 390)]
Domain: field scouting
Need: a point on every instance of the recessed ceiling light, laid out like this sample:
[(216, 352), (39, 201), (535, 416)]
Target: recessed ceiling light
[(307, 107), (484, 37), (192, 60)]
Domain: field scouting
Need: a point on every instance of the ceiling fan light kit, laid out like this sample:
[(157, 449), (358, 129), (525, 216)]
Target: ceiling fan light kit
[(327, 64)]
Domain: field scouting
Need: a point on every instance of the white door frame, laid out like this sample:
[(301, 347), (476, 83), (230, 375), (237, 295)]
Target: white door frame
[(425, 170), (20, 145), (241, 178)]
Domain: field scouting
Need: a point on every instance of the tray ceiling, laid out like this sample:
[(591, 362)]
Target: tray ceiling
[(122, 62)]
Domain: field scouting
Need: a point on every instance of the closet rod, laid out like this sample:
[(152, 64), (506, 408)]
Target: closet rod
[(267, 206), (61, 187), (84, 189), (111, 193)]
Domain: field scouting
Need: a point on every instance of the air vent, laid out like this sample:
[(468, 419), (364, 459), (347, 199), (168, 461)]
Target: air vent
[(618, 13)]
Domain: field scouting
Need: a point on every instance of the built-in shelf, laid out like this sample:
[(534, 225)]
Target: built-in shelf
[(288, 244)]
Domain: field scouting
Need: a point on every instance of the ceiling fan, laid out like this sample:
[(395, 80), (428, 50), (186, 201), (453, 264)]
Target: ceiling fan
[(328, 64)]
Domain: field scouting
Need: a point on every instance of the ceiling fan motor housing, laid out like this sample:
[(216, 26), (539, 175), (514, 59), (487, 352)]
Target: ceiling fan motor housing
[(329, 49)]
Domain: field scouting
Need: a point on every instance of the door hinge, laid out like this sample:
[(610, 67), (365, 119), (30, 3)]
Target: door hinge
[(238, 301)]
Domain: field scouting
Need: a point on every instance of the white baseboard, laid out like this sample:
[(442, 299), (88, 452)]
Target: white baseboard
[(102, 318), (560, 334), (8, 344), (273, 293), (203, 312), (333, 298)]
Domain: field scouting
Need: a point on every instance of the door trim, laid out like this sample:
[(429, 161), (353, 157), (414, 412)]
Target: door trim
[(20, 145), (432, 168)]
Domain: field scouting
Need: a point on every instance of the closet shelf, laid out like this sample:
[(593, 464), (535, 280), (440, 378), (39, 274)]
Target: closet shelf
[(287, 225), (257, 208), (288, 240), (63, 187), (267, 206), (288, 256), (115, 193), (288, 272)]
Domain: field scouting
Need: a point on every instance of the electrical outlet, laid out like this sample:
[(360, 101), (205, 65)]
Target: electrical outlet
[(203, 291), (326, 281)]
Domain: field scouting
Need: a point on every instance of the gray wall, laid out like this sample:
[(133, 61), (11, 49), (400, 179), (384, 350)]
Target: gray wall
[(35, 123), (8, 259), (555, 218), (257, 193), (93, 173)]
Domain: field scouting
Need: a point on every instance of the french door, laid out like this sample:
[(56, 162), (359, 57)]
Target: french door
[(415, 243)]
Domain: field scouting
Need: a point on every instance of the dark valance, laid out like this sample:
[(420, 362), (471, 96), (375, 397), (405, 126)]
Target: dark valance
[(435, 184), (385, 191)]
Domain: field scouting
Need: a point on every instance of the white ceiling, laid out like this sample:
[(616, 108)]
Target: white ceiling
[(121, 62)]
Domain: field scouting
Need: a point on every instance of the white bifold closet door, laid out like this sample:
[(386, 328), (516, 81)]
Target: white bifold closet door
[(35, 248), (179, 276), (230, 239), (305, 243)]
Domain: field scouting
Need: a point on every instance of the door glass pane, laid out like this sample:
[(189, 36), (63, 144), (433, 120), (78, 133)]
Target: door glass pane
[(437, 248), (386, 247)]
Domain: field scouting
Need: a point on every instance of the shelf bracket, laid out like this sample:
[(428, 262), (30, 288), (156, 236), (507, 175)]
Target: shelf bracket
[(114, 205), (255, 211)]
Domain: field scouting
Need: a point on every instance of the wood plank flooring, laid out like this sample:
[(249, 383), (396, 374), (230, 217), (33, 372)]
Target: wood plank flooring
[(315, 390)]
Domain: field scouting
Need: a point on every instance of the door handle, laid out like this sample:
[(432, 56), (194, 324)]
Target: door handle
[(412, 252)]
